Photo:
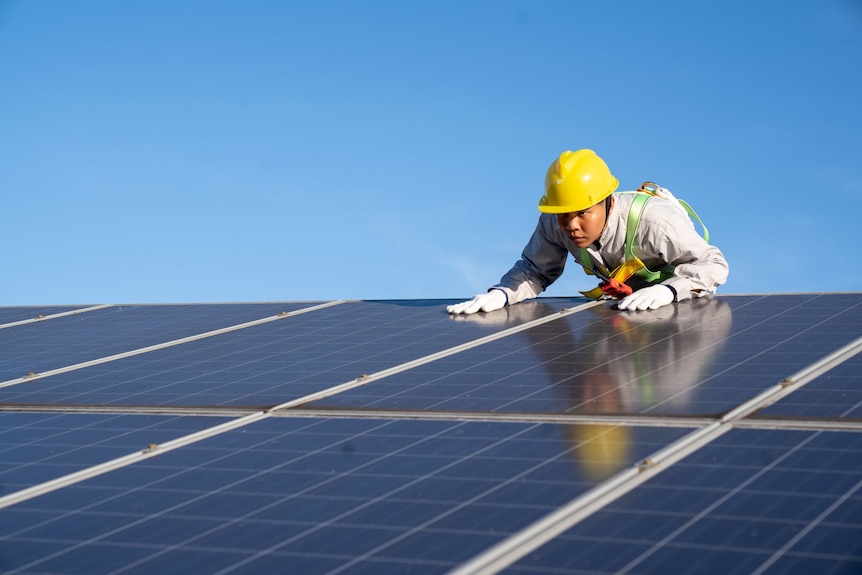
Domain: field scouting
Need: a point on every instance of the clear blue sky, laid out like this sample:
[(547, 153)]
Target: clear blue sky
[(212, 150)]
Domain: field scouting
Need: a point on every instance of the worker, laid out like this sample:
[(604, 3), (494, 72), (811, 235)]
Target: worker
[(662, 259)]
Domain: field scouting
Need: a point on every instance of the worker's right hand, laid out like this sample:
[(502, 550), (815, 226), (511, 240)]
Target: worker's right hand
[(650, 297), (493, 300)]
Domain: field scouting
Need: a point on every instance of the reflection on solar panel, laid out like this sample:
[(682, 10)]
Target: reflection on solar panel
[(559, 436)]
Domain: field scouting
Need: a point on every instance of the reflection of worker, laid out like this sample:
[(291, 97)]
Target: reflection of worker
[(635, 368), (618, 365), (640, 363), (650, 247)]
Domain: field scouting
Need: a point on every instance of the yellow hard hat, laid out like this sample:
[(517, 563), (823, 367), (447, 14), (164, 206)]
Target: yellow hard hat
[(575, 182)]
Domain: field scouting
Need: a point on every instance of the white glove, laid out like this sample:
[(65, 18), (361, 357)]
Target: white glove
[(491, 301), (651, 297)]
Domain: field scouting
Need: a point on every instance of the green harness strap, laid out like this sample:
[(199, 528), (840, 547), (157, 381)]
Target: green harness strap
[(690, 211), (633, 219)]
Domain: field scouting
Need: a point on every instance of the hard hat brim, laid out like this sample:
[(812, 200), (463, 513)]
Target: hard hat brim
[(547, 208)]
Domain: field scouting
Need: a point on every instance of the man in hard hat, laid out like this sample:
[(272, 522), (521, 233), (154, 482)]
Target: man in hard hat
[(652, 251)]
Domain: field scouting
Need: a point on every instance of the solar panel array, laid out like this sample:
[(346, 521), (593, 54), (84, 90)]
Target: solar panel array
[(556, 436)]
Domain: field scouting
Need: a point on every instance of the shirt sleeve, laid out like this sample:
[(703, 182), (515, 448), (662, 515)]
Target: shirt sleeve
[(699, 268), (541, 263)]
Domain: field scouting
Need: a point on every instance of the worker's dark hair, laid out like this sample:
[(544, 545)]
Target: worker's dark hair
[(608, 202)]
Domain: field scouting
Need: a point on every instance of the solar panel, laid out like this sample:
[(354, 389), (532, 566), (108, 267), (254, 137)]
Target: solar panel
[(38, 447), (70, 339), (836, 394), (700, 359), (554, 436), (753, 501), (261, 365), (388, 491)]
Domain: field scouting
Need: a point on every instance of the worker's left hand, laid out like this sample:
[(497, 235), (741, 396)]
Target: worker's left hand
[(651, 297)]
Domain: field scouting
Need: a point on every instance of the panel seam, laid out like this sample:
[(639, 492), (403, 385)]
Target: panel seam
[(131, 353), (40, 318), (519, 544)]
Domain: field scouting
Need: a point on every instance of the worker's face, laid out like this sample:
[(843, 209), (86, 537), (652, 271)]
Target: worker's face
[(584, 227)]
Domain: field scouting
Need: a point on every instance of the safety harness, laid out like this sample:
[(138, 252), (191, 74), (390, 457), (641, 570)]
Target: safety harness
[(633, 266)]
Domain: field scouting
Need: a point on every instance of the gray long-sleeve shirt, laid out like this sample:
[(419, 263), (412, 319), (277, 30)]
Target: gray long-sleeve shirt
[(665, 238)]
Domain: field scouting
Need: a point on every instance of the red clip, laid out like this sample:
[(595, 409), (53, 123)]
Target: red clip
[(614, 288)]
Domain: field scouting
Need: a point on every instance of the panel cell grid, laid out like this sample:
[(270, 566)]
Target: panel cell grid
[(443, 460), (754, 501), (272, 363), (701, 358), (63, 341), (837, 394), (39, 447), (374, 495)]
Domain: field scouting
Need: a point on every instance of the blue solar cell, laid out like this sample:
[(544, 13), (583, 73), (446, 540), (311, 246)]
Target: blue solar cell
[(363, 493), (367, 494), (37, 447), (698, 358), (801, 564), (63, 341), (275, 362), (771, 498), (835, 394)]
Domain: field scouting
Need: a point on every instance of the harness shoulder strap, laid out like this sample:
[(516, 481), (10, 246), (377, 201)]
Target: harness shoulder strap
[(633, 265), (690, 211), (635, 212)]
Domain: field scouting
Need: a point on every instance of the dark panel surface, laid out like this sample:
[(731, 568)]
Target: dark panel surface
[(754, 501), (697, 358), (401, 494), (274, 362), (38, 447), (835, 394), (63, 341), (371, 496)]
